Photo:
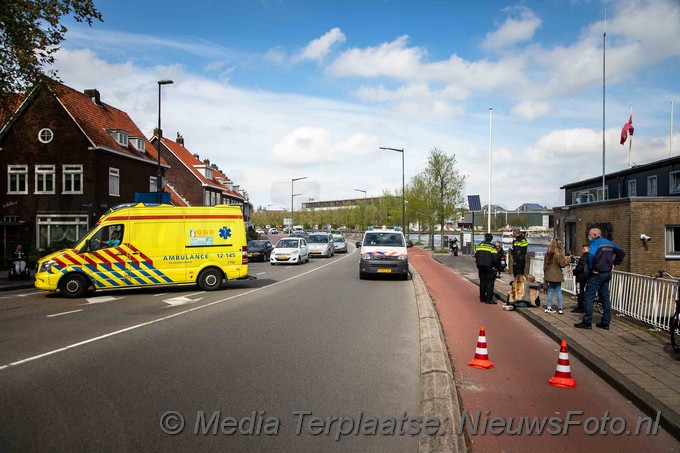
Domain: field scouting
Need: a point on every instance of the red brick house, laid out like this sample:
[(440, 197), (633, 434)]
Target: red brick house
[(68, 157), (200, 182)]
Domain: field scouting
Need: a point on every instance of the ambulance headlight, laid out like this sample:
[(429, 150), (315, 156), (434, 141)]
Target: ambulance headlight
[(46, 266)]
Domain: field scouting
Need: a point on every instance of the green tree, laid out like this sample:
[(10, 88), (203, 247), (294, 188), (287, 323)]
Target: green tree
[(30, 34), (417, 196), (446, 188)]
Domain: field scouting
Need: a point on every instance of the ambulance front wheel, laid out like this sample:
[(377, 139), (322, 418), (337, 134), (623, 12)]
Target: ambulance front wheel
[(74, 286), (210, 279)]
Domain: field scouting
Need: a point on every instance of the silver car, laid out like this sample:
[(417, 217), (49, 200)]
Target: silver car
[(320, 244), (339, 245)]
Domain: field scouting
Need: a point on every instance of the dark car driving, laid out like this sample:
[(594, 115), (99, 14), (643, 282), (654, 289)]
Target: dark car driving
[(259, 250)]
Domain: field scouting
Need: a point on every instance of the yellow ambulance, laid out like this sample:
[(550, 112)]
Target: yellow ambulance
[(135, 245)]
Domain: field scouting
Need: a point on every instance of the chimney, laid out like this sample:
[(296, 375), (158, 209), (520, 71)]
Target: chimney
[(180, 139), (94, 95), (206, 161), (155, 132), (196, 156), (213, 166)]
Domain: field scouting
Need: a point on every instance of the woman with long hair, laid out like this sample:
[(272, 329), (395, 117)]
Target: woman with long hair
[(552, 273)]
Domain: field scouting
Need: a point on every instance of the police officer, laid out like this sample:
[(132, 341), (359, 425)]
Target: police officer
[(486, 257), (518, 252)]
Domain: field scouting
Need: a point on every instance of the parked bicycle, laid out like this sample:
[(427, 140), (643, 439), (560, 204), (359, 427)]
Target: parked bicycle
[(674, 323)]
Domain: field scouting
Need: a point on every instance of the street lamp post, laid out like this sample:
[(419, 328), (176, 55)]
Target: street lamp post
[(159, 177), (403, 204), (292, 195), (364, 192)]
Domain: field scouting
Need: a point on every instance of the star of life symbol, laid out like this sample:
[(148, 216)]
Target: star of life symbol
[(225, 232)]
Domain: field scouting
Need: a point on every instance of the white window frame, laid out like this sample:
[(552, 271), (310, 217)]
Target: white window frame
[(674, 182), (45, 179), (632, 187), (72, 174), (652, 181), (114, 182), (138, 142), (45, 223), (672, 242), (45, 135), (17, 175), (121, 137)]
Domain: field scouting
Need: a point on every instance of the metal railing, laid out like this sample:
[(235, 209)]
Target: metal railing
[(647, 299)]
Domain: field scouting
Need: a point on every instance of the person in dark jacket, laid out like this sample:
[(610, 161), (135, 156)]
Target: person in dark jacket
[(602, 258), (501, 259), (518, 252), (486, 257), (581, 275)]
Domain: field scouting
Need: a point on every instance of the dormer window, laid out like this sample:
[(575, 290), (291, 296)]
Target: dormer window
[(138, 143), (121, 137)]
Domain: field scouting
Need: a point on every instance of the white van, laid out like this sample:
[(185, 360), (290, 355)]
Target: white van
[(383, 251)]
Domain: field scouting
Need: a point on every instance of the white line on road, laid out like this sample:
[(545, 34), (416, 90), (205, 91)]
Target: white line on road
[(165, 318), (31, 294), (64, 313)]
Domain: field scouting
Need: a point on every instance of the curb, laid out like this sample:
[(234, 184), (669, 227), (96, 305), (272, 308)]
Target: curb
[(438, 395)]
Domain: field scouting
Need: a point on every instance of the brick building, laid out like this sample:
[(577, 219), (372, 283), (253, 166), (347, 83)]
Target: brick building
[(68, 157), (642, 201), (198, 181)]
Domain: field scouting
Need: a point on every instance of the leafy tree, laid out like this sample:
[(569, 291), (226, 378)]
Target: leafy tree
[(30, 34), (416, 196), (446, 188)]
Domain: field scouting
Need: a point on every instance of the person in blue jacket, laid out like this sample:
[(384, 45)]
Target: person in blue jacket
[(602, 258)]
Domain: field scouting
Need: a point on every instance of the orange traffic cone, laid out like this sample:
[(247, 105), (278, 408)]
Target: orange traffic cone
[(481, 359), (562, 376)]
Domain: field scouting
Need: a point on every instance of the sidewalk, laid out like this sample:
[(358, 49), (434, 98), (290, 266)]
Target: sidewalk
[(6, 285), (636, 362)]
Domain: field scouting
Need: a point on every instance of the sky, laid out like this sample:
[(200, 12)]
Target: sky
[(271, 90)]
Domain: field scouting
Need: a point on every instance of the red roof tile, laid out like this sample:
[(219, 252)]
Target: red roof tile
[(96, 120)]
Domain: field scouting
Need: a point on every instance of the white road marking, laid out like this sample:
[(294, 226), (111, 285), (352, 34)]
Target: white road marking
[(180, 300), (164, 318), (64, 313), (32, 294), (101, 299)]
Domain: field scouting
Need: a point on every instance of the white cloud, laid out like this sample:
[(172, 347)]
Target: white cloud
[(513, 30), (317, 49), (531, 109)]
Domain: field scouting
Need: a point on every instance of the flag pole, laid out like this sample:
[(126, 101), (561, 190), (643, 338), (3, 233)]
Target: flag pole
[(670, 138), (604, 44), (630, 138), (488, 229)]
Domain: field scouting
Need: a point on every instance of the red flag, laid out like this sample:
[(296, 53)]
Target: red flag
[(627, 129)]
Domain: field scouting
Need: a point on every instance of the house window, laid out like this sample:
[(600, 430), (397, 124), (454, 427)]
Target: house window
[(121, 137), (114, 182), (72, 180), (138, 143), (44, 179), (45, 135), (17, 179), (632, 188), (672, 241), (675, 182), (651, 186), (58, 232)]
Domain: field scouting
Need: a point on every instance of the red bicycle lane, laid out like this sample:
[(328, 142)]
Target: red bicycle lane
[(525, 359)]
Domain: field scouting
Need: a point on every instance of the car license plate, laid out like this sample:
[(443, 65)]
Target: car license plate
[(282, 258), (386, 271)]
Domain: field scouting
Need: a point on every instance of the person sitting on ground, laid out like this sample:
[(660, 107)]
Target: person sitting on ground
[(524, 292)]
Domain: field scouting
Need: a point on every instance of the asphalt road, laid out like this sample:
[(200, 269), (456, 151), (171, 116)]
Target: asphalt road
[(246, 368)]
